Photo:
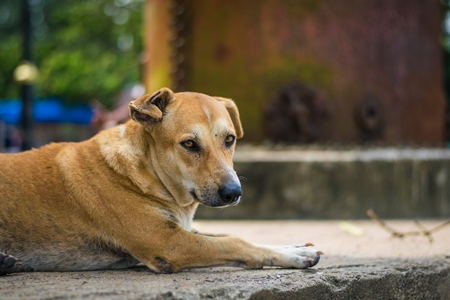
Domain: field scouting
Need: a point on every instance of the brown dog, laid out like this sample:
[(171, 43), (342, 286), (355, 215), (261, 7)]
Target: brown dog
[(129, 194)]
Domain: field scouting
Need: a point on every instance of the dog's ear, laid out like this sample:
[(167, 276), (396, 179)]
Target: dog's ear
[(150, 108), (234, 114)]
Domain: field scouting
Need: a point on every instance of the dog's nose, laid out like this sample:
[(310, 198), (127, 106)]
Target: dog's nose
[(230, 193)]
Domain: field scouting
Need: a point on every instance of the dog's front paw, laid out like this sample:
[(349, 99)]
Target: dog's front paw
[(297, 256), (310, 255), (8, 264)]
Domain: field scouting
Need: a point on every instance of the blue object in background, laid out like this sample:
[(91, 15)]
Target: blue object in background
[(46, 110)]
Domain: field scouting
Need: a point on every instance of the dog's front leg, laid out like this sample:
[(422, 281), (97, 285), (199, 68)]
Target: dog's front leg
[(209, 234), (186, 250)]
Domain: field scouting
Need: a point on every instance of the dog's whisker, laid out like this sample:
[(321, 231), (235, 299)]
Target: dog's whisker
[(242, 178)]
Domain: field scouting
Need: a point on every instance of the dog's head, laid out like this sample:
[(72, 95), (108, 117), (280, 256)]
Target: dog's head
[(192, 138)]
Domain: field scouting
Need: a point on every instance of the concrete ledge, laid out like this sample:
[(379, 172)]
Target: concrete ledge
[(351, 279), (309, 184), (368, 265)]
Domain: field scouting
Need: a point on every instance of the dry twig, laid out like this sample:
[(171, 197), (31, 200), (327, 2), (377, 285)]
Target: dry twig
[(394, 233)]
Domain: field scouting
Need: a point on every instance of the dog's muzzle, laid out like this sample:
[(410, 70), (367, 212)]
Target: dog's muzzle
[(230, 194)]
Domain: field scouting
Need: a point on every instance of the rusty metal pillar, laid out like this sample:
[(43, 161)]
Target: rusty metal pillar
[(373, 67), (167, 26), (158, 49)]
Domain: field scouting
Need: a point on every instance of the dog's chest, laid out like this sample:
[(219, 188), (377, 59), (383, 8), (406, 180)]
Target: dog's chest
[(186, 217)]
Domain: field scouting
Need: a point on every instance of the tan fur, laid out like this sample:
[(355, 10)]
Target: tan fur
[(129, 194)]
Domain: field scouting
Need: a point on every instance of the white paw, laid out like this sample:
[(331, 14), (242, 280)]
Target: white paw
[(296, 256)]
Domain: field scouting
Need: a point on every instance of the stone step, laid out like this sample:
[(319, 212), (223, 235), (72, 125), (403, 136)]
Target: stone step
[(322, 184), (367, 265)]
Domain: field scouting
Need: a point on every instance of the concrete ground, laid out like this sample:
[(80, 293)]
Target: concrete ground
[(361, 261)]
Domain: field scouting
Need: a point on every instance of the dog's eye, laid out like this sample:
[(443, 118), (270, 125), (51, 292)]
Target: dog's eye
[(190, 145), (229, 140)]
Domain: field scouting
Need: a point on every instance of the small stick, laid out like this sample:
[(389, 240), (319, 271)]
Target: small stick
[(374, 217), (440, 226), (422, 230), (425, 231)]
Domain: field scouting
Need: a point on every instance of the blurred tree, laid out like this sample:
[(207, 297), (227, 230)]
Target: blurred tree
[(85, 49)]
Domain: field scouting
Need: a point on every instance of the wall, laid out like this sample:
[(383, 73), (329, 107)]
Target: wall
[(340, 184), (379, 61)]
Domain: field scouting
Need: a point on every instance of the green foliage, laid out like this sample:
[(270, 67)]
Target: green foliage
[(84, 49)]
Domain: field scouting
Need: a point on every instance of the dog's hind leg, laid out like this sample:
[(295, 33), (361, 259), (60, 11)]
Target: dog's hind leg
[(8, 264)]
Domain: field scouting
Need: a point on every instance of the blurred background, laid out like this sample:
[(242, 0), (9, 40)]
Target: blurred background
[(304, 73), (87, 54)]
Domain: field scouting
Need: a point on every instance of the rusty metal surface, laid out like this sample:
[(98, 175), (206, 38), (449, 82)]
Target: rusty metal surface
[(156, 58), (376, 64), (295, 115), (180, 24)]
